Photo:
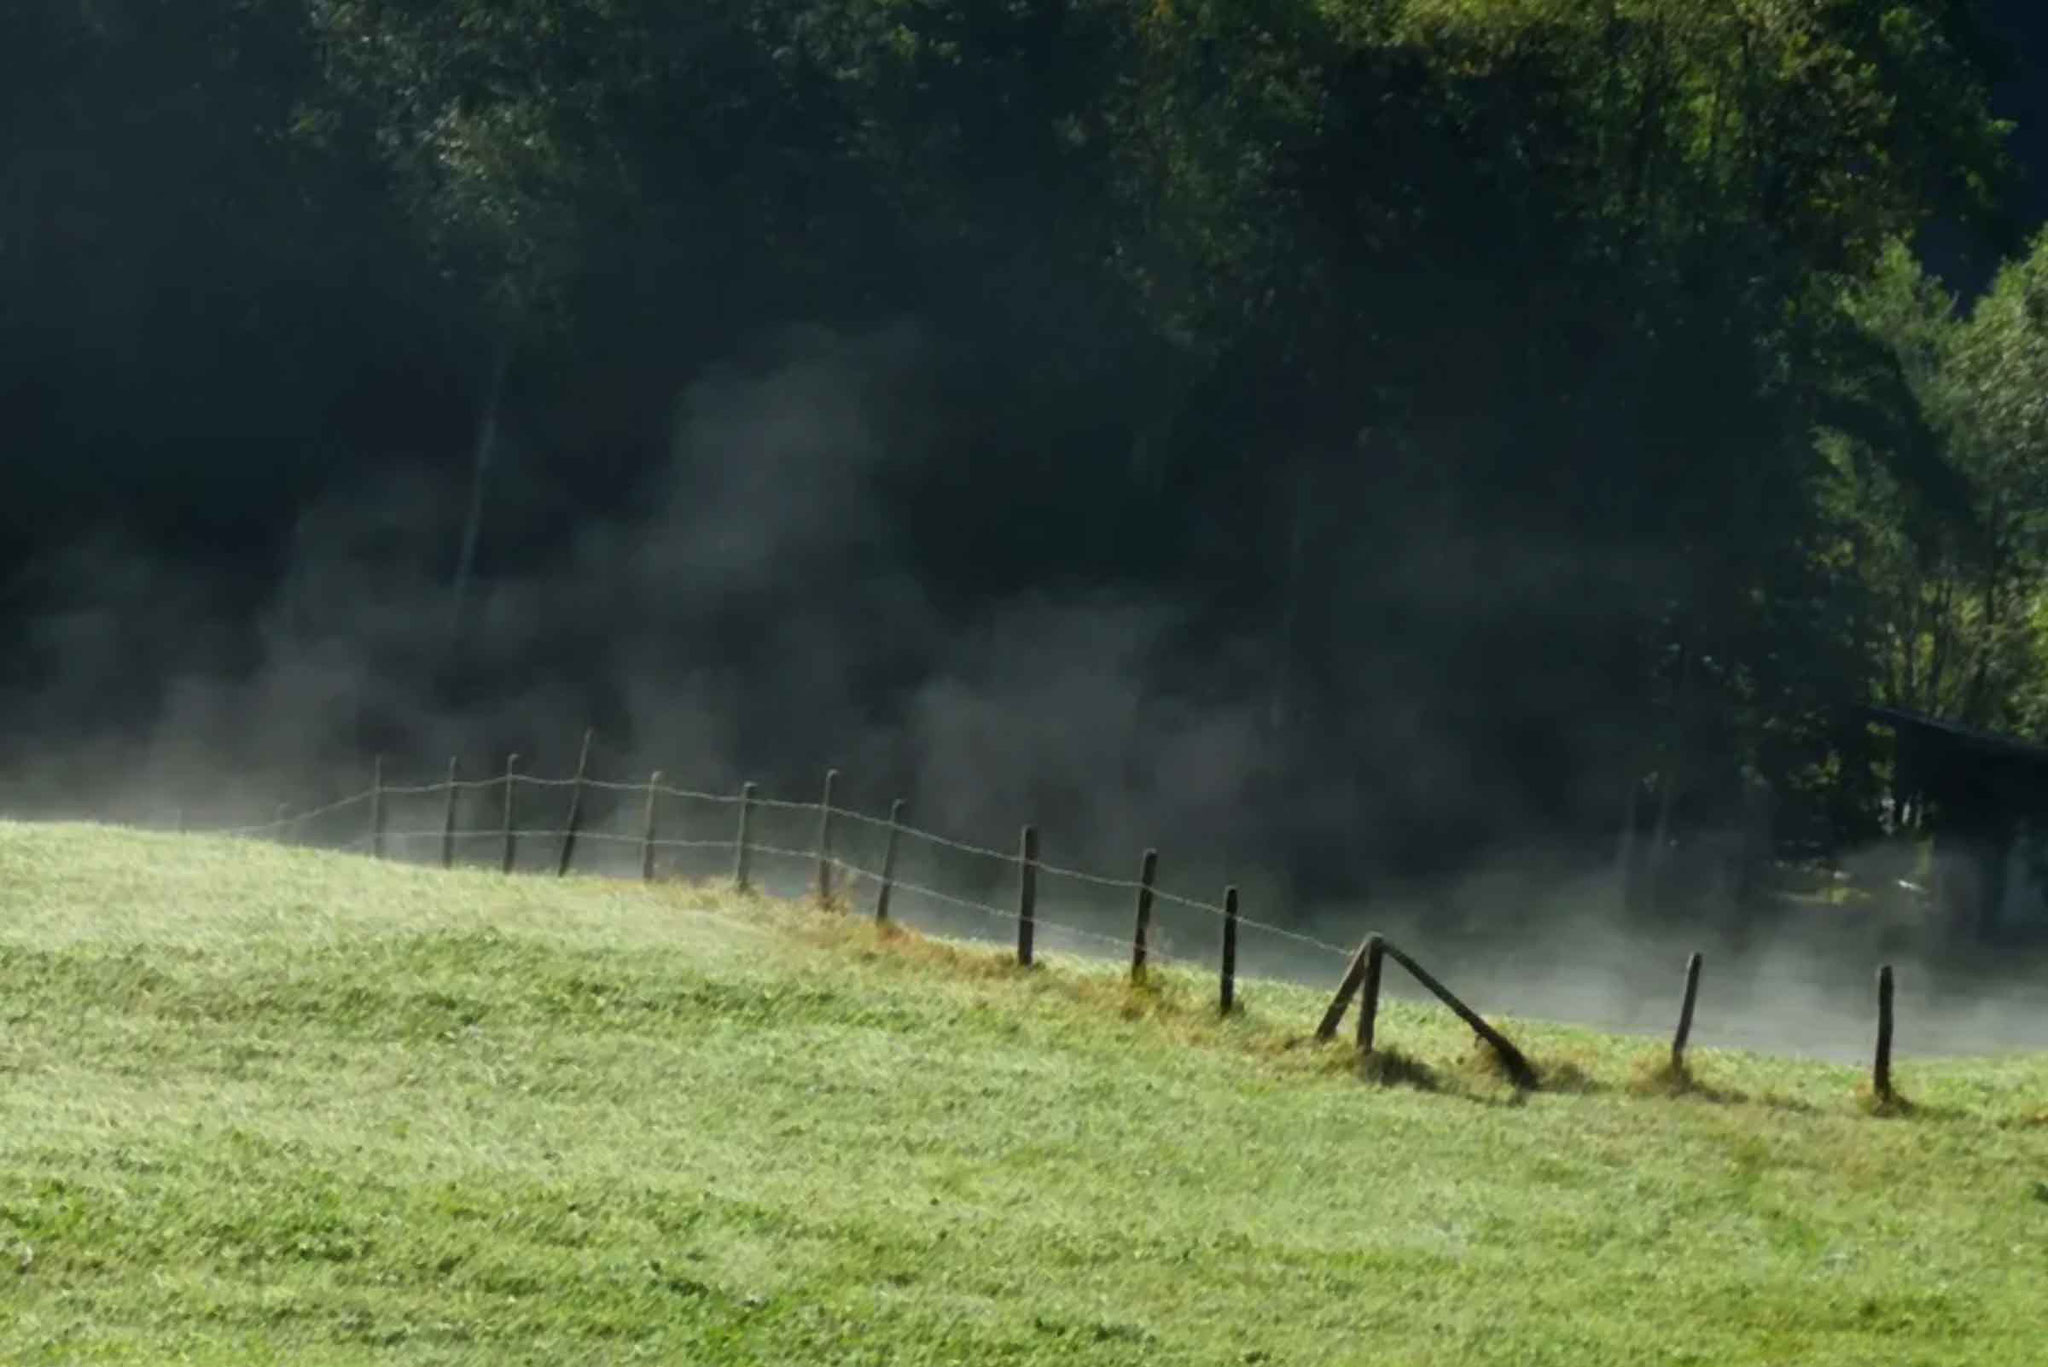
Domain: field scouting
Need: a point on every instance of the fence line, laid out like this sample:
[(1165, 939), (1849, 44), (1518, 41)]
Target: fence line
[(1006, 857), (1361, 977), (297, 821), (290, 821), (852, 870), (1045, 870)]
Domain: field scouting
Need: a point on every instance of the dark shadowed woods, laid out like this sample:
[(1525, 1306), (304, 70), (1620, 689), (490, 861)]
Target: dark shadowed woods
[(1356, 439)]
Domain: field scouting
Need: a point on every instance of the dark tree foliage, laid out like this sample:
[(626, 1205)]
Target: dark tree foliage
[(1518, 404)]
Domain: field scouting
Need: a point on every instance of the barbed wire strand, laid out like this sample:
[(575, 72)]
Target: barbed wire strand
[(609, 837), (283, 821), (697, 795), (776, 804), (1193, 904), (663, 789), (596, 784)]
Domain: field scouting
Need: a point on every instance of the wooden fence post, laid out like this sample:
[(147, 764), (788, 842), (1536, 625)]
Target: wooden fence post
[(1512, 1058), (1692, 993), (1354, 974), (647, 829), (1148, 874), (825, 840), (889, 861), (282, 825), (448, 819), (1881, 1070), (1027, 894), (569, 827), (377, 807), (1369, 993), (743, 852), (1229, 984), (511, 790)]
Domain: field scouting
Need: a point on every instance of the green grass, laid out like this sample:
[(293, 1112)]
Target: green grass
[(260, 1105)]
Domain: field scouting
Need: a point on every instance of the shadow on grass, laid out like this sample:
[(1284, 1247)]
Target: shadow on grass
[(1568, 1077), (1891, 1106), (1486, 1065), (1392, 1068), (1663, 1078), (1181, 1009), (1184, 1010), (1670, 1078)]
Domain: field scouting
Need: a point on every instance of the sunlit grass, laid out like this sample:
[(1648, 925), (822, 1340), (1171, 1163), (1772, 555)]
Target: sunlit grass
[(266, 1105)]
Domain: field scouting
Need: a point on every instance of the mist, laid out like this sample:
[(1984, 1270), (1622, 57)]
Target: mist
[(761, 614)]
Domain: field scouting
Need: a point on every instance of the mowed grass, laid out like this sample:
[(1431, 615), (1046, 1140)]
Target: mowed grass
[(265, 1105)]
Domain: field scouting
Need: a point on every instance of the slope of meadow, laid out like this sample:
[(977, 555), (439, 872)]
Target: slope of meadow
[(262, 1105)]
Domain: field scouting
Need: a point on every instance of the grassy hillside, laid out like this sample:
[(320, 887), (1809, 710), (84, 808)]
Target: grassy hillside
[(264, 1105)]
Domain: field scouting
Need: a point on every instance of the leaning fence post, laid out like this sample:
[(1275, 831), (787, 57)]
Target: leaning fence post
[(1027, 894), (1369, 992), (575, 820), (377, 808), (1511, 1058), (647, 829), (1692, 993), (448, 819), (1333, 1014), (1229, 949), (1881, 1070), (743, 853), (825, 840), (889, 861), (1148, 872), (511, 789)]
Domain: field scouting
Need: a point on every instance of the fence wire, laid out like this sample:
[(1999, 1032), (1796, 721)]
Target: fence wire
[(293, 824), (1046, 870), (623, 817), (1012, 916)]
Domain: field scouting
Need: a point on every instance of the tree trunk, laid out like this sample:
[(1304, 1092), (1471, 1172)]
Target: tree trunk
[(1625, 852), (1280, 710), (472, 523), (1673, 767)]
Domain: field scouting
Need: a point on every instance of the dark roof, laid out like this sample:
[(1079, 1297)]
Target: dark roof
[(1968, 737)]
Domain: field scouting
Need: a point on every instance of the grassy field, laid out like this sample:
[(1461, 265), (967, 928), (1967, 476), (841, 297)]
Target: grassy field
[(260, 1105)]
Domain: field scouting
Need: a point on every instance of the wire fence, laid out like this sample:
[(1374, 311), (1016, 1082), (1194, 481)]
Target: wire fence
[(480, 822), (881, 866)]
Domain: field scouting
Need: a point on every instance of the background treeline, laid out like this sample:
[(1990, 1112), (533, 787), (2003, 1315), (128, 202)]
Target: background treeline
[(1446, 423)]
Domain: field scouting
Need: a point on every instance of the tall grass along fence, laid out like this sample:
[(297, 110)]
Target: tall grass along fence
[(853, 862)]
